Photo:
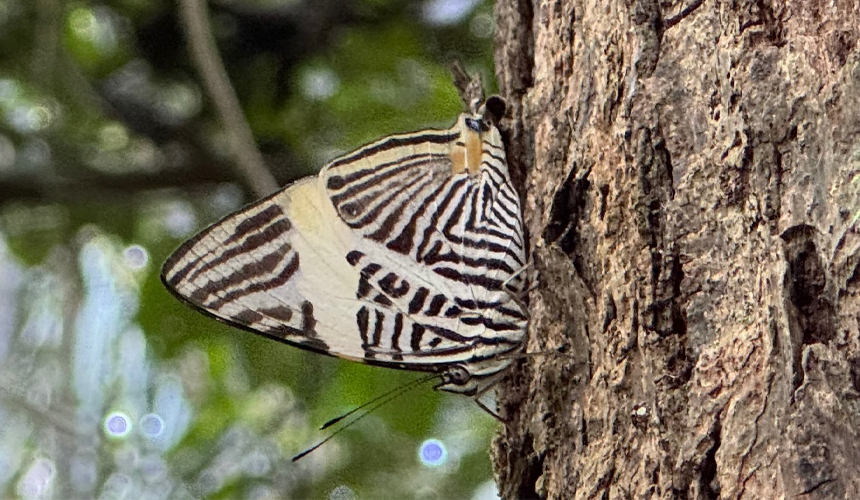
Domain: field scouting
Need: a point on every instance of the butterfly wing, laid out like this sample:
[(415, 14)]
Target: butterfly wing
[(397, 254), (273, 268), (442, 198), (438, 234)]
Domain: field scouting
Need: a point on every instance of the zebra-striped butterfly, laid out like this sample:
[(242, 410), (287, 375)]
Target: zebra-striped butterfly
[(405, 253)]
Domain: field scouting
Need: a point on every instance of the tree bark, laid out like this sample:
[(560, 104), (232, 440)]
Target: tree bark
[(691, 181)]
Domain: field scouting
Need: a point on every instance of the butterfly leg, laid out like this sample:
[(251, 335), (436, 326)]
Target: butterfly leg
[(517, 295), (507, 283)]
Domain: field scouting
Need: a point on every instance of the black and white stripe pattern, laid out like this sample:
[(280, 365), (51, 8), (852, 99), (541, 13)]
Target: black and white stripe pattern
[(403, 253)]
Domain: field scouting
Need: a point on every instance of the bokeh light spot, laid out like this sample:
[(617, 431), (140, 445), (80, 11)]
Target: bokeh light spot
[(117, 424), (482, 25), (319, 83), (28, 117), (7, 11), (82, 21), (432, 453), (36, 152), (97, 26), (7, 153), (447, 12), (37, 480), (178, 102), (152, 469), (226, 198), (151, 425), (117, 485), (257, 464), (10, 90), (136, 257), (113, 137), (208, 482), (487, 491), (179, 219), (83, 472), (342, 492)]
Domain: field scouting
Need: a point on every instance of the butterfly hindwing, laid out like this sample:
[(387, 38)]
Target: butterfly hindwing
[(446, 218)]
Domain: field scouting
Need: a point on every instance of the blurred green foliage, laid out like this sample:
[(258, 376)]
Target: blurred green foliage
[(106, 130)]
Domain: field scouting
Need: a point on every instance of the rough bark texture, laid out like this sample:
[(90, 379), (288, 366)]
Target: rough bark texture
[(691, 176)]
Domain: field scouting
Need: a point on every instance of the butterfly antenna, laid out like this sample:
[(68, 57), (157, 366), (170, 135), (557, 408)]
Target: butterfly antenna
[(398, 390), (369, 408)]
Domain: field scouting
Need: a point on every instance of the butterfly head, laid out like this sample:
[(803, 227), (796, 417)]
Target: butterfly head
[(456, 379), (473, 377), (485, 115)]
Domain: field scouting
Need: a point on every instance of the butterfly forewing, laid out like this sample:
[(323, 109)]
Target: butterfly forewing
[(403, 254), (249, 270)]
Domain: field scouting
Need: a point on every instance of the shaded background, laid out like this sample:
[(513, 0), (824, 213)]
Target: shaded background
[(110, 155)]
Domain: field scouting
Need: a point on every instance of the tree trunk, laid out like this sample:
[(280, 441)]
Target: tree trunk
[(691, 177)]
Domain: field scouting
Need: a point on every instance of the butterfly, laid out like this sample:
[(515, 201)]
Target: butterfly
[(406, 253)]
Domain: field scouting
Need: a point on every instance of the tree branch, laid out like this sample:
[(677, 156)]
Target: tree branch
[(248, 159)]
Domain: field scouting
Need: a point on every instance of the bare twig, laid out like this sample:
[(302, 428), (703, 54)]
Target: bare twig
[(247, 157), (105, 188)]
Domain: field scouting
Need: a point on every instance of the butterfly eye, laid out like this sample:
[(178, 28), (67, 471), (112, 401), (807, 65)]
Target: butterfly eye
[(456, 375), (494, 108)]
